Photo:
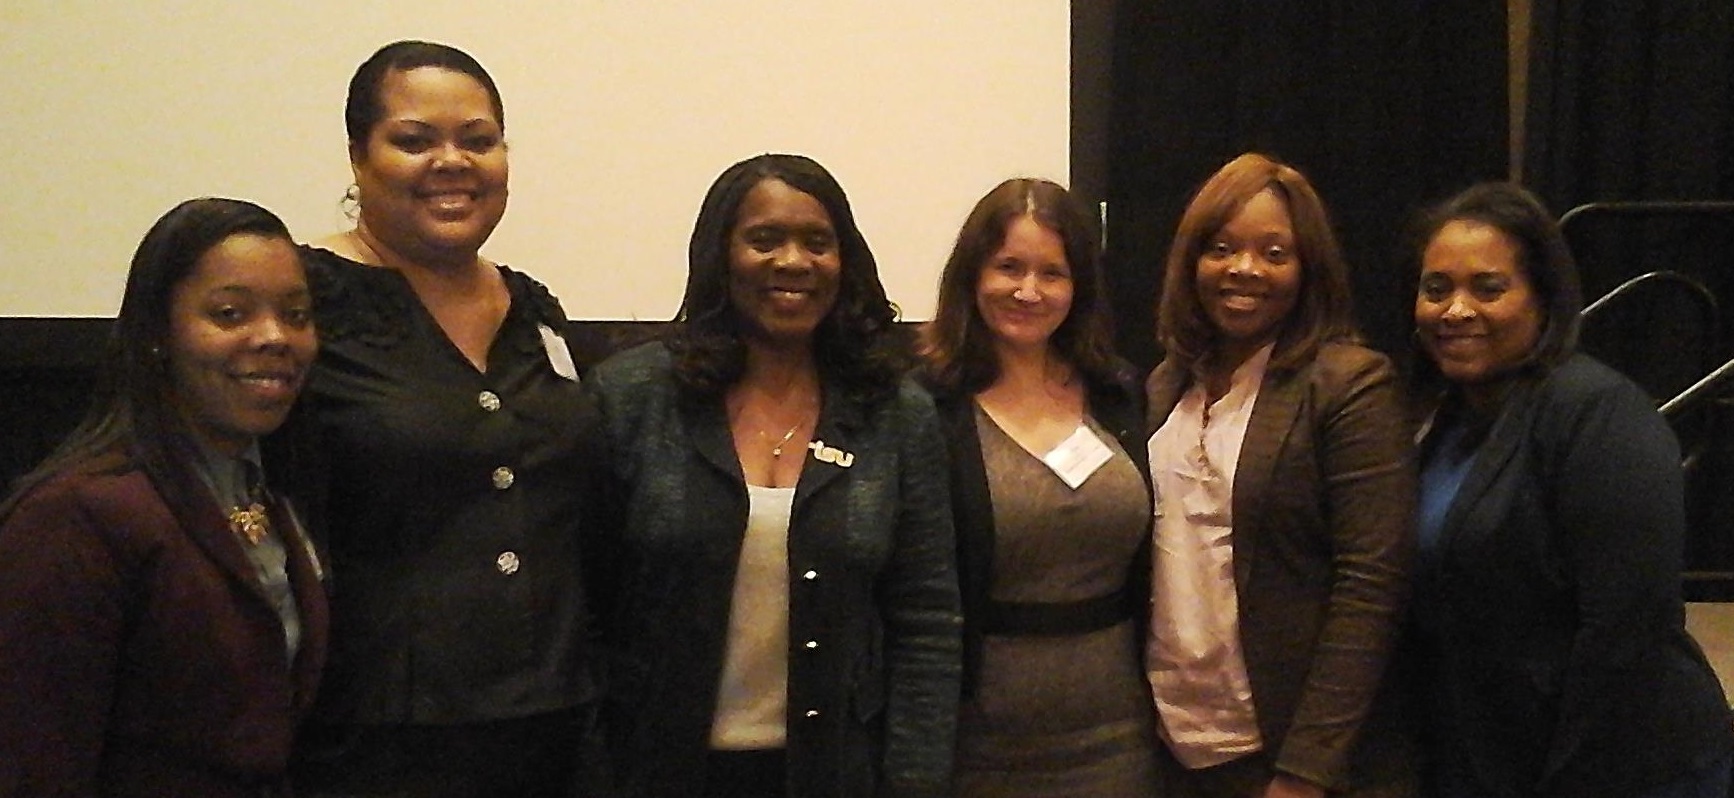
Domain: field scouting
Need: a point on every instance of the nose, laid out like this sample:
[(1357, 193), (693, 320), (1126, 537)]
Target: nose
[(271, 332), (1242, 263), (1457, 309), (789, 256), (1027, 289), (450, 156)]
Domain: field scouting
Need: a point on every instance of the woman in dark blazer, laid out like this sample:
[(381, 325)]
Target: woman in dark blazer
[(162, 621), (1549, 638), (1285, 497), (784, 613), (1050, 493)]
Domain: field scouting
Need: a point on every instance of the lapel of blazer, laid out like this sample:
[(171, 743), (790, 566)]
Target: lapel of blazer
[(1162, 389), (211, 532), (307, 579), (706, 426), (1492, 457), (1274, 415), (972, 499), (833, 451)]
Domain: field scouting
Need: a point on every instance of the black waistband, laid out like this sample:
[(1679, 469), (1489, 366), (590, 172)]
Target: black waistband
[(1031, 619)]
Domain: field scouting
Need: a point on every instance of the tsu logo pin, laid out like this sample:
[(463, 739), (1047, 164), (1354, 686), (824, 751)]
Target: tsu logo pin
[(832, 455)]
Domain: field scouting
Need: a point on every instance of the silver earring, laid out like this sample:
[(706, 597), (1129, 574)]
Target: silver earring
[(350, 205)]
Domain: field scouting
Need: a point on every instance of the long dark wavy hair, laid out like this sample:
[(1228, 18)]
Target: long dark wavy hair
[(957, 348), (134, 421), (856, 345)]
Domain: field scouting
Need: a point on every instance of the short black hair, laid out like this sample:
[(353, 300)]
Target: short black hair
[(363, 108)]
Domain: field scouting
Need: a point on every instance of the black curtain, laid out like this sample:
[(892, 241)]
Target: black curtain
[(1385, 106), (1633, 100)]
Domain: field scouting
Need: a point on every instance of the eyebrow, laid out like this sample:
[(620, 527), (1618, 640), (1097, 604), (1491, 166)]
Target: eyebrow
[(422, 123)]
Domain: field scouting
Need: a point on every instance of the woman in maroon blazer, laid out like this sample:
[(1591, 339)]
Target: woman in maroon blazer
[(162, 621)]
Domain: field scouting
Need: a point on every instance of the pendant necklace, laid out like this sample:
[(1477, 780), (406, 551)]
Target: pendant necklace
[(777, 450)]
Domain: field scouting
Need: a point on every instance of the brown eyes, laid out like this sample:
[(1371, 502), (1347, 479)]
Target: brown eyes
[(1276, 254), (416, 143), (769, 239), (231, 316), (1484, 288), (1015, 269)]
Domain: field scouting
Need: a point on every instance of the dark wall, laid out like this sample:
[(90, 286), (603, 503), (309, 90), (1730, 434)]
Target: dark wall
[(48, 371), (1384, 106), (1633, 101)]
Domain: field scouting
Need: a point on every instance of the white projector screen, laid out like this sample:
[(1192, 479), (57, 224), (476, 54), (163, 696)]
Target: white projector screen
[(619, 113)]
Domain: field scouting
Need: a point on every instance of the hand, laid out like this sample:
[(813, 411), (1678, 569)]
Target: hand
[(1285, 786)]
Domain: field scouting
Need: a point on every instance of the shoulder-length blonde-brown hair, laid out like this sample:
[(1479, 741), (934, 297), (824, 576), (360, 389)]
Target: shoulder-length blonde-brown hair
[(1322, 309)]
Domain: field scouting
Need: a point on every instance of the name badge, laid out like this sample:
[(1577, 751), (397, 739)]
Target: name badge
[(1078, 456), (559, 357)]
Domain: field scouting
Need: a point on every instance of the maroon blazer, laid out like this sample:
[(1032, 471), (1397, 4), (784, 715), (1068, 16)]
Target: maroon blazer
[(138, 657)]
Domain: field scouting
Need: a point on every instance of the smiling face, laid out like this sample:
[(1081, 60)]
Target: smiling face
[(432, 174), (1024, 290), (1248, 277), (240, 339), (1476, 312), (784, 264)]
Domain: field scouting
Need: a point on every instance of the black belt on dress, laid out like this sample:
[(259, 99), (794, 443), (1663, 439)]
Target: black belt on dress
[(1037, 619)]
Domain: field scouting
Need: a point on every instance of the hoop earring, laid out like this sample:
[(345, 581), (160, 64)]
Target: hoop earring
[(350, 204)]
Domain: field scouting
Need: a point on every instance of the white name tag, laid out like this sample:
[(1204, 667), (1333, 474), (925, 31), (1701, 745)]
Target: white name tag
[(1078, 456), (559, 357)]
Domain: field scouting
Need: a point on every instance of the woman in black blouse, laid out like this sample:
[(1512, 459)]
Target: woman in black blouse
[(453, 445)]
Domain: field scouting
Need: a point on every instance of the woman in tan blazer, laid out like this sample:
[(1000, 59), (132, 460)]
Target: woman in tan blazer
[(1285, 495)]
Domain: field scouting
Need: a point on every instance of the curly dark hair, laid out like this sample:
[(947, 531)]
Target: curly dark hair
[(133, 421), (856, 346), (957, 348)]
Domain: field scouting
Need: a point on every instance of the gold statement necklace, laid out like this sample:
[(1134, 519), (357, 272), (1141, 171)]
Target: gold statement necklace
[(250, 522)]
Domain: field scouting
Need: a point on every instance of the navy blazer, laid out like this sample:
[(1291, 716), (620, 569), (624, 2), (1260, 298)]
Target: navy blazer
[(1551, 613), (873, 609), (142, 658), (1119, 408)]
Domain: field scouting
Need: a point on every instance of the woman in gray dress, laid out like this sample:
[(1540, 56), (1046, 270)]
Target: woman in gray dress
[(1044, 431)]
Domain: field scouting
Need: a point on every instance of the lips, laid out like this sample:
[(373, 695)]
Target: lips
[(1459, 343), (271, 385), (1022, 315), (1240, 301), (448, 200)]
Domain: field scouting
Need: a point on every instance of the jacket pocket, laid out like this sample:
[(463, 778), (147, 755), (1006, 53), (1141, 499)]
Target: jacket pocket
[(867, 692)]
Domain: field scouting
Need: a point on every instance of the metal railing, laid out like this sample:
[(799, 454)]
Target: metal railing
[(1710, 389), (1707, 386)]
